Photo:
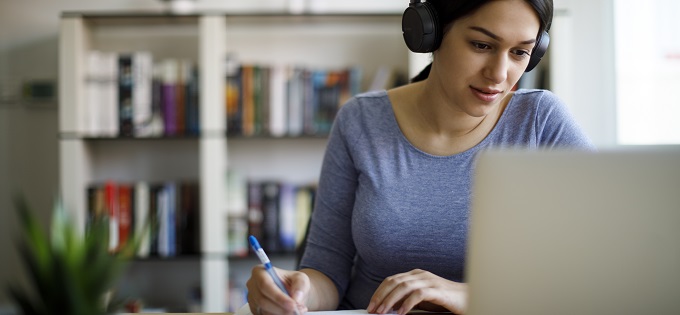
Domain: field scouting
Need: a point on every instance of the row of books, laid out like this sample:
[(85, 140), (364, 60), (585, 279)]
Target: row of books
[(285, 100), (132, 95), (275, 212), (164, 216)]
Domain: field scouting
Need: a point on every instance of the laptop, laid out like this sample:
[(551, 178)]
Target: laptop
[(565, 232)]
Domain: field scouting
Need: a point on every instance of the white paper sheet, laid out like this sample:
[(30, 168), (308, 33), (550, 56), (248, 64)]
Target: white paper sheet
[(245, 310)]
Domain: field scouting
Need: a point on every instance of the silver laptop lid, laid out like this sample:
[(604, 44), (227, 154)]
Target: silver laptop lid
[(576, 233)]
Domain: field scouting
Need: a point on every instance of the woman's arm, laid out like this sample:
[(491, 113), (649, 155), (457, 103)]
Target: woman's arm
[(322, 294)]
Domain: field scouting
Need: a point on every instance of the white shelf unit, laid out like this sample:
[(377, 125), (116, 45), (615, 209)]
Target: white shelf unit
[(85, 161), (325, 41)]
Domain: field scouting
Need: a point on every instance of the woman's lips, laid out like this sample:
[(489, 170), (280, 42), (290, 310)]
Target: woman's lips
[(486, 95)]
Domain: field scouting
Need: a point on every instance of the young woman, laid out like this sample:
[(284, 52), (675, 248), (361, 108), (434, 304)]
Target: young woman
[(389, 227)]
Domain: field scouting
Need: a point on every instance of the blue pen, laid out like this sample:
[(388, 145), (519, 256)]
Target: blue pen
[(268, 265)]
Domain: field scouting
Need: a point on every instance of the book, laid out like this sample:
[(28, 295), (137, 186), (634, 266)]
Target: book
[(166, 218), (169, 219), (169, 96), (270, 216), (96, 204), (255, 215), (125, 215), (156, 126), (277, 101), (188, 219), (287, 217), (142, 218), (296, 92), (181, 90), (94, 92), (109, 117), (142, 104), (125, 87), (248, 99), (111, 201), (233, 99), (192, 103), (155, 196)]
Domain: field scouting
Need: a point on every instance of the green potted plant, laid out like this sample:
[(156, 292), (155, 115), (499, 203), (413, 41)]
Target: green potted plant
[(68, 273)]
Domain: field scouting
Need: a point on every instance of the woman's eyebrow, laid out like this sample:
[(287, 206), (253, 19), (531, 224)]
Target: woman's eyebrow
[(496, 37)]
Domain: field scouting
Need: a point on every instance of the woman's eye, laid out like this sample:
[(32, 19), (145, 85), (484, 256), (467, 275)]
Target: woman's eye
[(480, 46), (522, 53)]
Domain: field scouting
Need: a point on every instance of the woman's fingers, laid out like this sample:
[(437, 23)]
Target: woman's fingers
[(394, 289), (264, 297), (403, 292)]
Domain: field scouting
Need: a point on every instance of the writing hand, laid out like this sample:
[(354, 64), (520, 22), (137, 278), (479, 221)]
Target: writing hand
[(420, 288), (265, 298)]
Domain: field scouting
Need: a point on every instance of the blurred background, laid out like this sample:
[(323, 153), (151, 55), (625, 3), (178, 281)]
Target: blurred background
[(616, 63)]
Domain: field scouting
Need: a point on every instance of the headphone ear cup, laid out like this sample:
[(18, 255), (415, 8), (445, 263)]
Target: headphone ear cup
[(420, 27), (539, 50)]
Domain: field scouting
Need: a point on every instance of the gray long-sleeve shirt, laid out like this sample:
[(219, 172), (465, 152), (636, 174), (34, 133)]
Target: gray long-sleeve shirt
[(385, 207)]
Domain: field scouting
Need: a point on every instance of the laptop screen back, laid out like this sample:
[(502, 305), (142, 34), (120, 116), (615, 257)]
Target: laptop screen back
[(564, 232)]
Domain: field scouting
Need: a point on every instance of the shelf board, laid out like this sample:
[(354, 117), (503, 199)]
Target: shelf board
[(73, 136), (166, 14), (270, 137)]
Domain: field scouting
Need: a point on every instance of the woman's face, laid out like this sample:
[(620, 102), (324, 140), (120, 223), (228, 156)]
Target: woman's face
[(483, 55)]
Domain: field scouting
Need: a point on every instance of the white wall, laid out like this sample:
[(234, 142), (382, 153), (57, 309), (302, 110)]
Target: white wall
[(587, 82)]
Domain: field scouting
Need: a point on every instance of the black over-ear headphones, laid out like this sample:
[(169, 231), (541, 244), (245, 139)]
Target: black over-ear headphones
[(423, 33)]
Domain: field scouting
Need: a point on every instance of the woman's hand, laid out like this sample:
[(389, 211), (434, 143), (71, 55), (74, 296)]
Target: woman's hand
[(420, 288), (264, 297)]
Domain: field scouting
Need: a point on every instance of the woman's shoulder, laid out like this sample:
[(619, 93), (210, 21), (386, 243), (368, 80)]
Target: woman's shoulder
[(536, 97), (363, 112), (365, 104), (538, 101)]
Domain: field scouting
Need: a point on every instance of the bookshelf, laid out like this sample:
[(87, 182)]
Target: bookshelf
[(327, 41)]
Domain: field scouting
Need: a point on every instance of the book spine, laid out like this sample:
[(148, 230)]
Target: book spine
[(255, 215), (287, 221), (277, 101), (169, 95), (93, 93), (155, 192), (109, 114), (142, 219), (124, 214), (193, 125), (111, 199), (171, 199), (125, 87), (270, 211), (248, 120), (296, 102), (183, 73), (163, 223), (142, 93), (233, 97)]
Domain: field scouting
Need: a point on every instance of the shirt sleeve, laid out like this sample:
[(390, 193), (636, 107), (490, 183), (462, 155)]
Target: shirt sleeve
[(330, 248)]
